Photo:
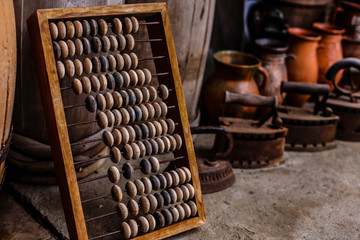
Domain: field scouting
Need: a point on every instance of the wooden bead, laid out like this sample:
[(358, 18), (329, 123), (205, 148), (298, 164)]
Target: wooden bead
[(118, 117), (102, 120), (148, 75), (146, 94), (157, 125), (138, 132), (153, 202), (127, 61), (178, 141), (167, 216), (130, 42), (96, 64), (173, 195), (164, 109), (175, 214), (94, 28), (119, 62), (160, 220), (187, 210), (143, 224), (193, 208), (86, 46), (108, 138), (79, 48), (187, 173), (169, 179), (166, 196), (138, 113), (152, 222), (105, 43), (90, 103), (131, 114), (148, 147), (171, 125), (87, 65), (131, 189), (128, 170), (134, 228), (140, 76), (117, 99), (96, 44), (101, 102), (70, 29), (155, 165), (116, 193), (181, 211), (79, 69), (161, 145), (86, 28), (142, 149), (134, 60), (140, 186), (145, 112), (119, 80), (133, 78), (127, 25), (191, 190), (126, 78), (109, 100), (132, 96), (144, 204), (157, 110), (104, 63), (154, 146), (136, 150), (175, 177), (103, 82), (147, 184), (110, 81), (166, 142), (132, 134), (78, 29), (69, 68), (111, 118), (116, 26), (163, 92), (57, 50), (117, 134), (61, 30), (172, 143), (152, 129), (125, 230), (122, 211), (182, 175), (151, 110), (115, 155), (135, 24), (113, 174), (64, 49), (128, 151), (179, 194), (153, 93), (162, 179), (112, 62), (125, 115), (144, 130), (133, 207), (164, 126), (53, 31), (186, 193), (77, 86), (95, 82), (155, 182), (121, 42), (103, 28), (113, 43), (159, 199)]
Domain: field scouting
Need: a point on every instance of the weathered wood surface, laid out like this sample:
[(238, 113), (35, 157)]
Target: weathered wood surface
[(191, 24)]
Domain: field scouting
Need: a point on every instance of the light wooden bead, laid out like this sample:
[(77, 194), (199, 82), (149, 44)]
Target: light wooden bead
[(95, 83), (71, 47), (70, 29), (117, 99), (136, 150), (175, 213), (157, 110), (152, 129), (134, 60), (126, 78), (167, 216), (53, 31), (141, 77), (157, 125), (108, 138), (105, 43), (128, 151), (171, 125), (144, 204), (122, 211), (116, 26), (130, 42), (146, 94), (155, 147), (155, 165), (173, 195), (109, 100), (191, 190), (163, 92), (151, 110), (119, 62), (127, 25), (179, 193), (135, 24), (64, 49), (69, 68), (166, 142), (187, 210), (148, 75), (172, 143), (103, 28), (57, 50), (121, 42), (138, 96), (79, 69), (112, 62), (178, 141), (144, 224), (78, 29), (140, 186), (61, 30), (86, 46), (161, 145), (94, 28), (111, 118), (127, 61), (125, 115), (77, 86), (175, 177), (101, 102), (113, 43), (164, 108), (102, 120), (131, 189), (145, 112), (87, 65), (142, 149), (134, 228), (116, 193), (103, 82), (133, 207), (133, 78), (115, 155), (86, 28), (186, 193), (152, 222), (125, 230), (182, 175), (169, 179), (113, 174), (181, 211), (132, 134), (193, 208), (153, 202), (79, 48), (153, 93), (187, 173), (147, 184), (118, 117)]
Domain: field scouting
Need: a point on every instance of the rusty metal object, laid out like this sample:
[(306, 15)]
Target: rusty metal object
[(345, 101), (215, 175), (256, 143), (309, 129)]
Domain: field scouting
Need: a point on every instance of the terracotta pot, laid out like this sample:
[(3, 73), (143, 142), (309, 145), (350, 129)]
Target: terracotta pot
[(235, 72), (303, 44), (348, 17), (329, 51)]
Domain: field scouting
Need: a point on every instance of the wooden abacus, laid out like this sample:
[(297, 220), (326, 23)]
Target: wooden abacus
[(142, 114)]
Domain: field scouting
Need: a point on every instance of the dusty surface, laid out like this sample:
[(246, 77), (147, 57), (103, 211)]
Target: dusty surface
[(311, 196)]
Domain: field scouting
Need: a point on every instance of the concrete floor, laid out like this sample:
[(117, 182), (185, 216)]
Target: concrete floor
[(311, 196)]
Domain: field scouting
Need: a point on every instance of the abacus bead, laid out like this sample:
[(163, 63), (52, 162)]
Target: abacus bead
[(119, 80), (153, 93), (146, 94), (61, 30), (128, 170), (115, 155), (181, 211), (171, 125), (187, 173), (78, 29), (186, 193), (103, 28), (175, 177), (164, 126), (108, 138), (155, 182), (116, 193), (133, 78), (154, 146), (140, 187), (116, 133), (142, 149), (57, 50), (71, 47), (116, 26), (105, 43), (64, 49), (179, 194), (148, 75), (90, 103), (96, 44), (138, 113), (86, 45), (131, 189), (162, 179), (104, 63), (132, 134), (122, 42), (138, 133), (153, 202), (126, 77), (130, 42), (166, 197), (141, 77), (122, 211), (191, 190), (147, 184), (79, 69), (103, 82), (69, 68), (70, 29), (157, 110), (134, 228), (125, 230), (127, 61), (152, 129), (155, 165), (87, 66), (133, 207), (101, 102), (125, 115), (160, 220), (113, 43), (79, 48), (132, 96), (169, 179), (172, 143), (193, 208), (152, 222), (144, 130), (178, 141), (136, 150), (158, 127), (95, 83), (143, 224), (134, 60), (182, 175), (145, 112), (86, 28), (112, 62), (53, 31), (102, 120), (173, 195), (187, 210), (167, 216), (131, 114), (148, 147), (160, 200), (77, 86), (96, 64), (119, 62), (145, 166), (164, 109), (151, 110), (166, 142), (117, 99), (128, 151), (135, 24), (144, 204), (113, 174), (94, 28), (110, 81), (163, 92), (175, 214), (127, 25)]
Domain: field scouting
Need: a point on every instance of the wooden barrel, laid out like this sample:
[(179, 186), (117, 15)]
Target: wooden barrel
[(30, 153), (7, 77), (191, 24)]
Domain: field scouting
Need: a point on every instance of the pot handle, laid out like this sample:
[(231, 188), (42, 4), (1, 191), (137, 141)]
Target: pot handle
[(266, 79), (335, 13)]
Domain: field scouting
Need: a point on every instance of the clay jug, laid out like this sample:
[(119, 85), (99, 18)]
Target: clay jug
[(329, 51), (304, 68), (235, 72)]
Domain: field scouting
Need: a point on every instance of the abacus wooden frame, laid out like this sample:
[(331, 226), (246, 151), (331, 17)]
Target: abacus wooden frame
[(38, 25)]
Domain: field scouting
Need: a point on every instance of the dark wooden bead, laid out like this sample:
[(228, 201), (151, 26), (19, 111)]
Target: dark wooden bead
[(110, 81), (57, 50), (144, 204), (166, 142), (187, 210), (113, 43), (104, 62), (90, 103), (105, 43), (144, 130), (131, 112), (160, 200), (96, 64), (191, 190), (138, 132), (166, 196), (167, 216), (173, 196), (148, 75), (96, 44), (141, 77), (163, 181), (128, 26), (101, 102), (119, 80), (171, 125), (134, 60), (128, 170), (160, 220), (86, 28), (124, 134), (111, 118), (153, 93), (155, 147), (102, 120), (142, 149), (115, 155), (148, 147), (132, 96), (130, 42), (127, 61), (181, 211), (169, 179), (155, 182), (122, 211), (125, 115), (163, 92), (86, 46), (131, 189), (145, 166), (116, 133), (133, 77), (138, 113), (136, 150), (94, 28), (158, 128), (125, 97)]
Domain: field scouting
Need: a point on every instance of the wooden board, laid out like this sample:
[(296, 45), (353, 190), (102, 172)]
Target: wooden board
[(155, 18)]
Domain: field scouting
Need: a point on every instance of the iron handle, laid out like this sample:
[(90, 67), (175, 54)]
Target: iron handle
[(305, 88), (250, 100)]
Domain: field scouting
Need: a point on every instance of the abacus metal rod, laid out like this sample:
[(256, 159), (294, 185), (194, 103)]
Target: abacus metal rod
[(92, 179), (152, 58), (105, 235), (65, 88), (160, 74), (140, 23), (85, 142), (91, 160), (73, 106), (101, 216), (149, 40)]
